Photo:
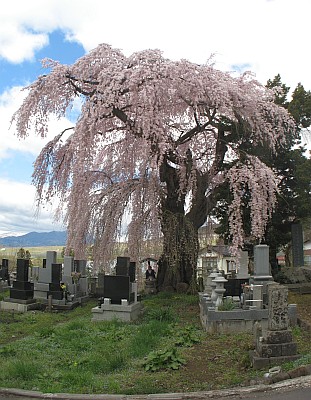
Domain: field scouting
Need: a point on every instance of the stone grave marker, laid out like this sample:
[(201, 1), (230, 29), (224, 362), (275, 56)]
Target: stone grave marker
[(117, 288), (297, 245), (119, 293), (275, 345), (243, 266), (4, 270), (22, 289)]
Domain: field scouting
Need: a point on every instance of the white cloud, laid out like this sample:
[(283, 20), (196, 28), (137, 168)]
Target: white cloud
[(269, 36), (10, 101), (18, 210)]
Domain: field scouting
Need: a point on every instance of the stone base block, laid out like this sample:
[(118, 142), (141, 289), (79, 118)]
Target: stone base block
[(39, 294), (276, 337), (277, 350), (262, 362), (21, 294), (19, 307), (109, 312), (43, 287)]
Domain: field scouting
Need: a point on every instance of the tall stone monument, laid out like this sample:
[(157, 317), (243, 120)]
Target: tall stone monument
[(297, 245)]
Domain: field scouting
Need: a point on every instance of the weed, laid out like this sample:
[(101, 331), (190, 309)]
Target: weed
[(303, 360), (163, 359), (7, 351), (227, 305), (46, 331), (161, 314), (23, 370), (187, 336)]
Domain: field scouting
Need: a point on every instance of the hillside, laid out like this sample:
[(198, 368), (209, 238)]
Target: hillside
[(35, 239)]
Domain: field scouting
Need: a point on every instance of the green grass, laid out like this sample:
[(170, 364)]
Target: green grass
[(66, 352)]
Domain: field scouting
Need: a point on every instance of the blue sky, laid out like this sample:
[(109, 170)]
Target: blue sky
[(266, 37)]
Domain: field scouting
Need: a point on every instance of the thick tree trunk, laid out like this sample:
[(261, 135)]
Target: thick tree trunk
[(180, 251), (180, 245)]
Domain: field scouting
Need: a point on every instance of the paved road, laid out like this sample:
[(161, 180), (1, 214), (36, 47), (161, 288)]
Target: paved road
[(281, 394), (295, 389)]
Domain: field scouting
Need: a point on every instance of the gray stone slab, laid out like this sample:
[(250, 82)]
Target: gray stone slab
[(261, 260), (45, 275), (256, 315), (264, 362), (108, 312), (38, 294), (243, 266), (68, 266), (67, 279), (269, 350), (11, 306), (41, 286), (51, 257)]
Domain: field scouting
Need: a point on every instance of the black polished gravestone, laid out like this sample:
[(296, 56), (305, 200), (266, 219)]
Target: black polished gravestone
[(234, 287), (297, 245), (54, 287), (116, 288), (4, 270), (22, 289), (126, 267)]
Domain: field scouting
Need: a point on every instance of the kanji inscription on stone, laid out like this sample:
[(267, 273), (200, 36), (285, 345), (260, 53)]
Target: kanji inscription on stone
[(278, 308)]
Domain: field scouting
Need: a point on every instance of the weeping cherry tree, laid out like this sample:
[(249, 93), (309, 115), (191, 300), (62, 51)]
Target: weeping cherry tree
[(153, 140)]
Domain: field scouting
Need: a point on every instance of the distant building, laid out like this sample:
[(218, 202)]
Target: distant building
[(215, 256)]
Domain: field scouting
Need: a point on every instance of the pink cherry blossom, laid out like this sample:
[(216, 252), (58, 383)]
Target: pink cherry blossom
[(151, 140)]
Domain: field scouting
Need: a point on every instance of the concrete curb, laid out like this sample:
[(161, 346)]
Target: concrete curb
[(283, 379)]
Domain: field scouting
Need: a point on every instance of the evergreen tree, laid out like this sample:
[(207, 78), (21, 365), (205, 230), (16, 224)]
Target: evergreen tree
[(293, 169)]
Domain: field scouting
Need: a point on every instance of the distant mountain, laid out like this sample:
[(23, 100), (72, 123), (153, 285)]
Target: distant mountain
[(35, 239)]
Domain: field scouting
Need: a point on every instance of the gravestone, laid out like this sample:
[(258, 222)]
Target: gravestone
[(45, 273), (55, 289), (275, 345), (234, 286), (262, 273), (21, 293), (74, 276), (99, 291), (117, 288), (22, 289), (119, 293), (4, 270), (44, 278), (297, 245), (243, 266)]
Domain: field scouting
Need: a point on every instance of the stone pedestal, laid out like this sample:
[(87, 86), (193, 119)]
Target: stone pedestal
[(150, 287), (19, 305), (123, 312), (275, 346)]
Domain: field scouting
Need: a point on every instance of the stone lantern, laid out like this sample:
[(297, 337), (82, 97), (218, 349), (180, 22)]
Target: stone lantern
[(219, 289)]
